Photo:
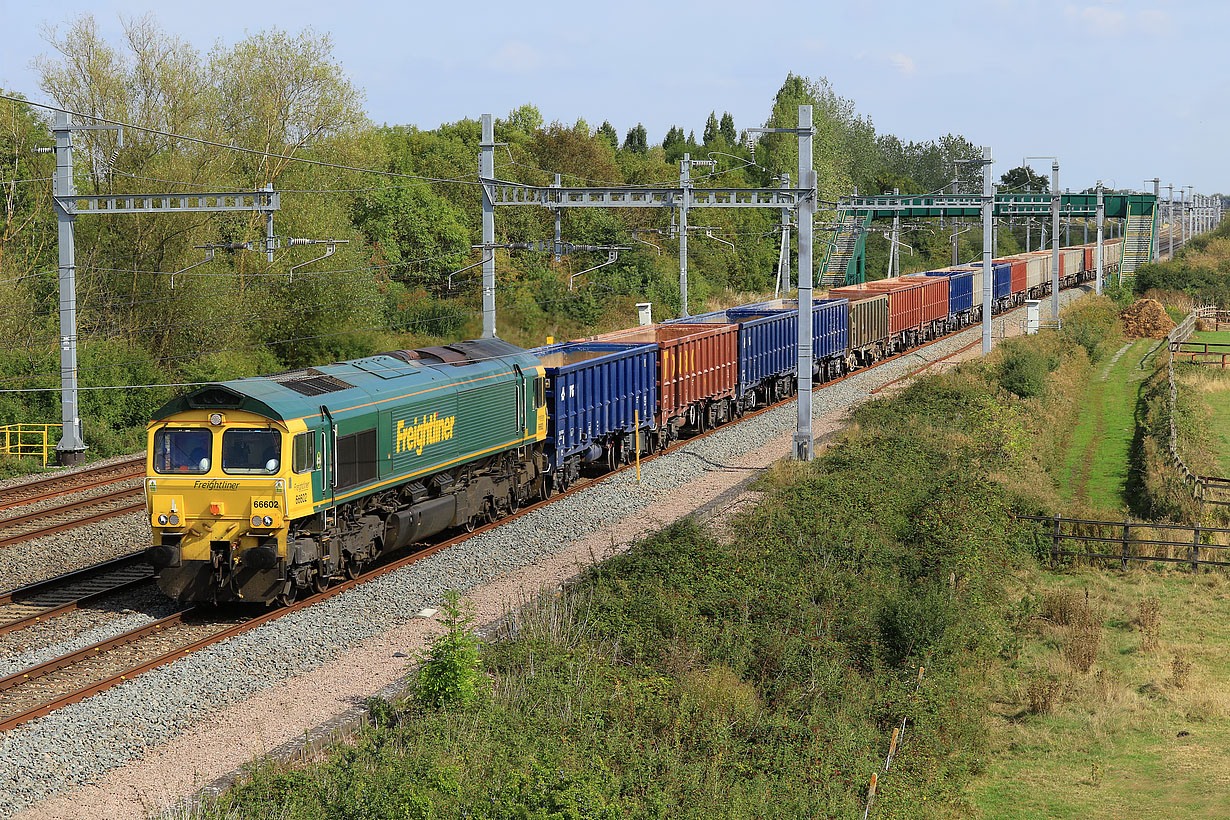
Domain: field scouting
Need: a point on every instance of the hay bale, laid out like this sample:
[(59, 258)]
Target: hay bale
[(1146, 319)]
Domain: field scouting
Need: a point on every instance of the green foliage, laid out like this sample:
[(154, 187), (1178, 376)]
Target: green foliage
[(450, 677), (1023, 369), (637, 140), (1024, 179)]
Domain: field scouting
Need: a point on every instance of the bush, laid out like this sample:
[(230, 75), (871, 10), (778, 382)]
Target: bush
[(1024, 371), (450, 675)]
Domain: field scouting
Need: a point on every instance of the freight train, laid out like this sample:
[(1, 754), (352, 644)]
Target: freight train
[(260, 489)]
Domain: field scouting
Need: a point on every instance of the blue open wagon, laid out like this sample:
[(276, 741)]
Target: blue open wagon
[(595, 392)]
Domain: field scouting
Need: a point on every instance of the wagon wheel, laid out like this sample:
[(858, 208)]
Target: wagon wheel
[(289, 595)]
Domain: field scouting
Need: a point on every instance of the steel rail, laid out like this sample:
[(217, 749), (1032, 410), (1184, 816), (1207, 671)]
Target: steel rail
[(19, 595), (52, 486), (62, 509), (84, 692)]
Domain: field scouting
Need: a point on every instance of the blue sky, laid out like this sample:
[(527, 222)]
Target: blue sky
[(1118, 90)]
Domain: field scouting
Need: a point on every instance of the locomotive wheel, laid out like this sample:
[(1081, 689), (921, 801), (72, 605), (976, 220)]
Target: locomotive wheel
[(321, 582), (353, 569), (470, 525), (290, 595), (514, 502)]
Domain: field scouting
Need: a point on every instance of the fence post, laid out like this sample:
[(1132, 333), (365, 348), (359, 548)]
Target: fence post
[(1055, 541), (1123, 561), (871, 794), (1196, 548)]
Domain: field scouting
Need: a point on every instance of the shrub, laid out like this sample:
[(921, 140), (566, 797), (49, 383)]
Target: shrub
[(1043, 692), (1149, 619), (1023, 371), (1180, 671), (450, 675)]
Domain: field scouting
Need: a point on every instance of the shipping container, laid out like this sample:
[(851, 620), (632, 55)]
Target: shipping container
[(914, 302), (868, 318), (1072, 263), (829, 323), (697, 363), (961, 296), (1037, 272), (595, 393), (1017, 277), (767, 343)]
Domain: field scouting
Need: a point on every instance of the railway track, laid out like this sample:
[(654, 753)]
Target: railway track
[(26, 526), (57, 485), (35, 603), (40, 690)]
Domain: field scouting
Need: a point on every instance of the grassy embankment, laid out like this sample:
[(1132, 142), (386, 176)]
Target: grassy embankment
[(758, 672)]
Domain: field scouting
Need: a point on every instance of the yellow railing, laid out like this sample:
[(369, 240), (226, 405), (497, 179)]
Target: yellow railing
[(23, 440)]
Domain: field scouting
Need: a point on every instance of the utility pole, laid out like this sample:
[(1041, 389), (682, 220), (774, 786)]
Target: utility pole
[(685, 185), (1170, 220), (71, 444), (1097, 261), (1157, 206), (988, 216), (68, 205), (486, 173), (783, 255), (894, 260), (1055, 239), (1029, 223), (803, 440), (956, 257)]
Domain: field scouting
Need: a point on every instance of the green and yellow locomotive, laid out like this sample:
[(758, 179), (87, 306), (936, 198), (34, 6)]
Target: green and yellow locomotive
[(261, 488)]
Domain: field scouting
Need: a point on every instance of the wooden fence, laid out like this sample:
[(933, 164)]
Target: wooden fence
[(1128, 540), (1205, 489)]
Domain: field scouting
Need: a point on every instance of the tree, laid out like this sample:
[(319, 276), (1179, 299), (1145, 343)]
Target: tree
[(711, 128), (727, 129), (673, 137), (637, 140), (1023, 179), (608, 131)]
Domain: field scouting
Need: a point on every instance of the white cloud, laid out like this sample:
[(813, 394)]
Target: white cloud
[(903, 63), (1097, 19), (517, 57), (1103, 20)]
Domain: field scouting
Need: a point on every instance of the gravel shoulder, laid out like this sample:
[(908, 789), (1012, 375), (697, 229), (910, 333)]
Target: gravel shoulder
[(152, 741), (30, 561)]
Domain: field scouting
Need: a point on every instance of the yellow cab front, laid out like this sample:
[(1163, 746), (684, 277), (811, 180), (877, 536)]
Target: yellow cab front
[(216, 489)]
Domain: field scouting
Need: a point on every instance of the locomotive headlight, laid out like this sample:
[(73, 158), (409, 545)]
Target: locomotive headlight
[(163, 520), (215, 419), (268, 521), (256, 520), (173, 519)]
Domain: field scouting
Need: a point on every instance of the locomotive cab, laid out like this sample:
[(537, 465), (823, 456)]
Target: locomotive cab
[(222, 486)]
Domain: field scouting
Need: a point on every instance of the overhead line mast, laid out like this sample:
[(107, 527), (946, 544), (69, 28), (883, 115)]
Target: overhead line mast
[(684, 197)]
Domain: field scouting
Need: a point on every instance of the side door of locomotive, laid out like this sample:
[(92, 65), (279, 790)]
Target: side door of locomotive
[(324, 479)]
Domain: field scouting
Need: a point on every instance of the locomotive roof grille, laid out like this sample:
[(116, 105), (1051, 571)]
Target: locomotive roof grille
[(309, 381)]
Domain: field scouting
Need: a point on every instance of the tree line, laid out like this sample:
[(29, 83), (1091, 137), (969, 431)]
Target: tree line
[(404, 275)]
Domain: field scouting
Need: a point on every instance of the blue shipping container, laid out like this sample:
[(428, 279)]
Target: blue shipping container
[(594, 392), (960, 289), (830, 322), (1003, 280)]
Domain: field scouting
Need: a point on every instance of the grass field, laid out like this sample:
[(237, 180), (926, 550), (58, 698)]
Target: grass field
[(1129, 738), (1095, 468), (1212, 385)]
